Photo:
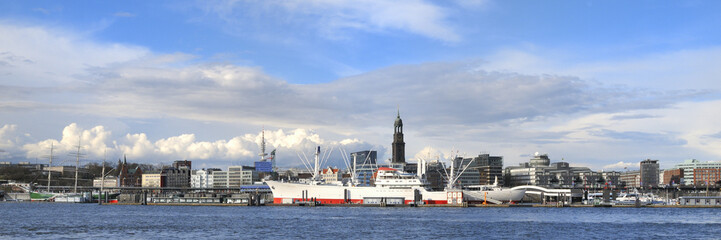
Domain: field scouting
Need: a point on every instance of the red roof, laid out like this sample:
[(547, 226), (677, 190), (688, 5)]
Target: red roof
[(387, 169), (325, 170)]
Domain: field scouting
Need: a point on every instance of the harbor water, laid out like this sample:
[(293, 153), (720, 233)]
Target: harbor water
[(61, 221)]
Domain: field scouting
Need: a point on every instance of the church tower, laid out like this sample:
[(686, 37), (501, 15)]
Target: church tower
[(399, 147)]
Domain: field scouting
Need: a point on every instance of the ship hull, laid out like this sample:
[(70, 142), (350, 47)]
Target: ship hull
[(289, 193), (502, 195)]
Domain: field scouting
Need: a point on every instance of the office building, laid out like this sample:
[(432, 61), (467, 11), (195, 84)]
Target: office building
[(689, 166), (649, 173), (202, 178), (152, 180), (672, 176), (235, 177), (364, 165), (109, 181), (631, 179), (539, 171)]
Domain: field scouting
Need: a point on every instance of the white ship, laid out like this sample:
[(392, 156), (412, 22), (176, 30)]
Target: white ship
[(392, 186), (492, 193)]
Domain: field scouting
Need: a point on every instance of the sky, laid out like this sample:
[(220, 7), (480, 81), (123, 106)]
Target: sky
[(601, 84)]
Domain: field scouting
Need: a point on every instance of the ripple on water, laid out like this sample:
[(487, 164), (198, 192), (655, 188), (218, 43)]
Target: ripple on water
[(59, 221)]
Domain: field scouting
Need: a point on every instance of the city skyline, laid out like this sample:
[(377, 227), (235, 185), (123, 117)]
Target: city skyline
[(601, 84)]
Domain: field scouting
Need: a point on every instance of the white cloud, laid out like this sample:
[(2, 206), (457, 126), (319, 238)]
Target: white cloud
[(429, 153), (621, 165), (123, 14), (137, 147), (38, 56), (467, 104), (668, 70), (333, 18), (91, 141), (7, 140)]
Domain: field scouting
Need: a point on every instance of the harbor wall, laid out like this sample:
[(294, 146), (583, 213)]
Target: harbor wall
[(17, 197)]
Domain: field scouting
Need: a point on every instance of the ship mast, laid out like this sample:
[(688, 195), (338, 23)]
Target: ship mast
[(316, 170), (102, 178), (456, 173), (77, 166), (50, 164)]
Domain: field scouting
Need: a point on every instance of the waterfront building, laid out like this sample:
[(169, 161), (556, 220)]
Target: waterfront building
[(631, 179), (152, 180), (489, 169), (597, 179), (330, 175), (176, 177), (183, 164), (706, 176), (235, 177), (672, 176), (688, 166), (128, 177), (482, 170), (364, 165), (202, 178), (66, 170), (700, 200), (399, 151), (436, 175), (539, 171), (649, 173), (220, 179), (470, 176), (109, 181), (367, 157), (27, 165)]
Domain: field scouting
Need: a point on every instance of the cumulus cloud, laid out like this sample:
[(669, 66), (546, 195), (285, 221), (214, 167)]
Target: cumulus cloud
[(621, 165), (429, 153), (7, 140), (91, 141), (95, 144), (443, 103)]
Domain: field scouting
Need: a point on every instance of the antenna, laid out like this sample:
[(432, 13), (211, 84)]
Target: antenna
[(262, 146)]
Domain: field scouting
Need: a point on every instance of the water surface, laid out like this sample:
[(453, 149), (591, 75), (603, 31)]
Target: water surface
[(57, 220)]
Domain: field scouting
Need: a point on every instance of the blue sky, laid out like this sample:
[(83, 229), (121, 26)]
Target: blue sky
[(602, 84)]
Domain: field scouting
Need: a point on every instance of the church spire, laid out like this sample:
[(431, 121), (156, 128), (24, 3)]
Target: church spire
[(399, 152)]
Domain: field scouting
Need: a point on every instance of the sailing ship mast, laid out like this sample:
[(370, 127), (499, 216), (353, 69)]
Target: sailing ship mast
[(50, 164), (77, 166), (102, 177)]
